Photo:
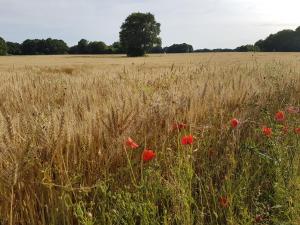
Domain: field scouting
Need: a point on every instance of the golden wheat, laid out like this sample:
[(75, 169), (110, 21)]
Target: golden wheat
[(65, 118)]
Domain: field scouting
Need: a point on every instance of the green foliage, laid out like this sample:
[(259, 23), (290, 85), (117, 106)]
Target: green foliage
[(139, 33), (97, 47), (247, 48), (179, 48), (44, 47), (283, 41), (157, 49), (13, 48), (116, 48), (86, 47), (3, 47)]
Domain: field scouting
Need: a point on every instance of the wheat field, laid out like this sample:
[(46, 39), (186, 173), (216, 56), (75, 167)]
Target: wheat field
[(65, 120)]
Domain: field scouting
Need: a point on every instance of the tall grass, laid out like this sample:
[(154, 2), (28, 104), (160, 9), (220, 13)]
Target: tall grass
[(64, 121)]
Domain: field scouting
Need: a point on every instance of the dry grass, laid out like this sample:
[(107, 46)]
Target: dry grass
[(65, 118)]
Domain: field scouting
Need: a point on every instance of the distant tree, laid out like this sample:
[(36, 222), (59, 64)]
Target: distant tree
[(139, 33), (157, 49), (179, 48), (203, 50), (13, 48), (97, 47), (117, 48), (54, 46), (44, 47), (284, 41), (30, 47), (3, 47), (83, 47), (73, 50), (247, 48)]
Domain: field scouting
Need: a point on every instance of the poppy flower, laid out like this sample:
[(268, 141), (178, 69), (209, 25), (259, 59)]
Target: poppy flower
[(267, 131), (223, 201), (187, 140), (234, 122), (297, 130), (131, 143), (280, 116), (178, 126), (148, 155)]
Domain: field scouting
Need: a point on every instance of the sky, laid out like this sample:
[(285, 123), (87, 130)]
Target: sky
[(202, 23)]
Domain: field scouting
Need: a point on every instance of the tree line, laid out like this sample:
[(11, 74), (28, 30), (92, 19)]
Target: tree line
[(140, 35), (57, 47)]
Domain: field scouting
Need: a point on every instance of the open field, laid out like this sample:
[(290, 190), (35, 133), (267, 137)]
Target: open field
[(64, 121)]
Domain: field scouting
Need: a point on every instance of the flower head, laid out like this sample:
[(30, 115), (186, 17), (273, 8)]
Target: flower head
[(267, 131), (131, 143), (187, 140), (297, 130), (148, 155), (234, 122), (280, 116), (223, 201)]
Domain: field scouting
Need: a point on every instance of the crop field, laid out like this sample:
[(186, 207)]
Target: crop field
[(177, 139)]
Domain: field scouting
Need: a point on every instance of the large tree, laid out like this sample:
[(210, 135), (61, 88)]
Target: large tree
[(139, 34), (3, 47)]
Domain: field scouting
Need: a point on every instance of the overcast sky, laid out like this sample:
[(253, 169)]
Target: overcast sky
[(202, 23)]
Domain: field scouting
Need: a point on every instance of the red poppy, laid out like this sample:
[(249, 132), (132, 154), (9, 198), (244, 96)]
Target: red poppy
[(280, 116), (178, 126), (148, 155), (130, 143), (234, 122), (267, 131), (223, 200), (297, 130), (187, 140)]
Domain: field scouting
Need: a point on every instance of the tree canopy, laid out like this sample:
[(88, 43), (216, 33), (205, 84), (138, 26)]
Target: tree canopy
[(13, 48), (282, 41), (44, 47), (93, 47), (3, 47), (179, 48), (139, 34)]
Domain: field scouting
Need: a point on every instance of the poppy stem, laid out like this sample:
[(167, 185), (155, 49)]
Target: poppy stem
[(131, 169)]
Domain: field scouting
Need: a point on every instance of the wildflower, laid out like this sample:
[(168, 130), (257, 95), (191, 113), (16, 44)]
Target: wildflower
[(130, 143), (234, 122), (148, 155), (279, 116), (223, 200), (178, 126), (293, 110), (267, 131), (297, 130), (187, 140)]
